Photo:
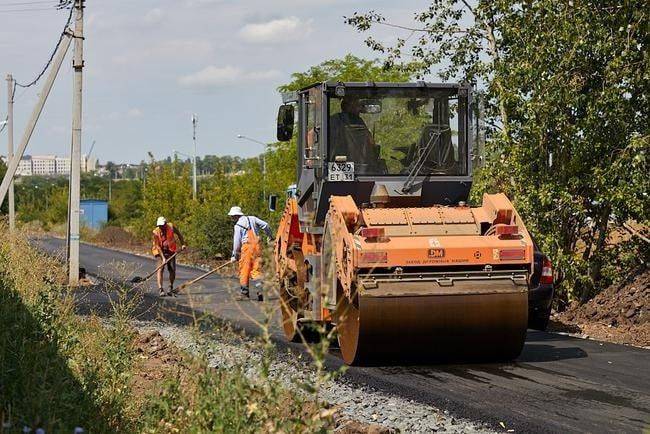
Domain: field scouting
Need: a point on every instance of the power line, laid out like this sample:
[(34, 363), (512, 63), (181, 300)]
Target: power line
[(2, 11), (25, 3), (62, 4)]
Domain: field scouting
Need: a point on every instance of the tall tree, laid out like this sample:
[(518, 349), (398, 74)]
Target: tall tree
[(349, 68), (566, 86)]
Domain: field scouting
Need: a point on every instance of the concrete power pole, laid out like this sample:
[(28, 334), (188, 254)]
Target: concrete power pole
[(75, 155), (10, 147)]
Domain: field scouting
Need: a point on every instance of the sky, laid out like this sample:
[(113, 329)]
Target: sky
[(150, 64)]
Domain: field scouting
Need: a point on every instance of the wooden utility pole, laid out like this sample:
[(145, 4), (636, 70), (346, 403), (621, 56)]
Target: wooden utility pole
[(10, 147), (75, 154)]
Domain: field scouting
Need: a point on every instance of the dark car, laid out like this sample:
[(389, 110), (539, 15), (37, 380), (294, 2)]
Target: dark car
[(540, 295)]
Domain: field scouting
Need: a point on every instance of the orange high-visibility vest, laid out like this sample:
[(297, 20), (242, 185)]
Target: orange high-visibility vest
[(164, 242)]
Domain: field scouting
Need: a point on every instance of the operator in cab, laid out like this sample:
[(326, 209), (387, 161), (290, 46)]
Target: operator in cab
[(247, 250), (350, 136)]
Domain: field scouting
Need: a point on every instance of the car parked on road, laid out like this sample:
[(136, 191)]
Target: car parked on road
[(540, 293)]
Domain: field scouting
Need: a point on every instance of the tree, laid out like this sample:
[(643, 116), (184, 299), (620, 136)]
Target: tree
[(168, 193), (349, 68), (566, 92)]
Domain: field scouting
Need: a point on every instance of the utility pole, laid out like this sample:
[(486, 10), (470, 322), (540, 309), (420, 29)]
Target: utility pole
[(194, 121), (75, 155), (36, 113), (10, 147)]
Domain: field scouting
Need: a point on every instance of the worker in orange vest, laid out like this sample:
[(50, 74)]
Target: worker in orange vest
[(246, 248), (164, 247)]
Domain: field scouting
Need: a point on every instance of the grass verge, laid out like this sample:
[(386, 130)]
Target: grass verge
[(59, 371)]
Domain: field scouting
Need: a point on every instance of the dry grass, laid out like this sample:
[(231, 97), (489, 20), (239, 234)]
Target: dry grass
[(59, 370)]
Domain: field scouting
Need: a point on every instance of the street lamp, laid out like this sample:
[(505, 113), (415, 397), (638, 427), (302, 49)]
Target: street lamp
[(241, 136), (195, 119), (193, 158)]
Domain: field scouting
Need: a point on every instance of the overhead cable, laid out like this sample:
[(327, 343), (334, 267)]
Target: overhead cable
[(61, 5)]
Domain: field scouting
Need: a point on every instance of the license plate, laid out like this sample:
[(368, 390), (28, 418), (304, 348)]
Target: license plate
[(338, 172)]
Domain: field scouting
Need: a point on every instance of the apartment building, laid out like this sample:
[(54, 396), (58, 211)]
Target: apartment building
[(44, 165), (50, 165), (24, 166)]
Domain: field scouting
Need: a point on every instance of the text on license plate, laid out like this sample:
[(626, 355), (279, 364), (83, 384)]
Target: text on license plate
[(340, 171)]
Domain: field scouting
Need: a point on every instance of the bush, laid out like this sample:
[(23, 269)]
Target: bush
[(59, 371)]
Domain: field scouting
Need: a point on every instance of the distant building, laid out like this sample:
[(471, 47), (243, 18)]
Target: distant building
[(62, 166), (44, 165), (89, 164), (50, 165), (24, 166)]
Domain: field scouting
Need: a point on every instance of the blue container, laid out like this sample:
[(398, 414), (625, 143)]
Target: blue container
[(94, 213)]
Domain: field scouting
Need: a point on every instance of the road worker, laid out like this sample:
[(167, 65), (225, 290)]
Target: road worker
[(165, 248), (247, 249)]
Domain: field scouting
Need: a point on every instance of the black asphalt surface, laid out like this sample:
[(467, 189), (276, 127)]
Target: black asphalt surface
[(558, 384)]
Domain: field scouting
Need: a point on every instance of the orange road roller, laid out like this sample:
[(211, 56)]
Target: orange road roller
[(377, 238)]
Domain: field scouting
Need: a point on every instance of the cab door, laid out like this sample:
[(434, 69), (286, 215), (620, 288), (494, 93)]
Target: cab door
[(310, 146)]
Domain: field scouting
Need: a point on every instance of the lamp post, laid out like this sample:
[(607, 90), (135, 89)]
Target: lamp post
[(243, 137), (195, 119), (193, 158)]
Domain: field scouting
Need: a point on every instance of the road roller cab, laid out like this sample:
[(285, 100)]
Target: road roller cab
[(378, 239)]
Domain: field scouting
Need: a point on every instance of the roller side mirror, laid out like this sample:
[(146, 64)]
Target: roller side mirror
[(273, 202), (285, 122)]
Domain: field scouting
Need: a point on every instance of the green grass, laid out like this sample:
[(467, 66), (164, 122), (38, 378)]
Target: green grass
[(59, 370)]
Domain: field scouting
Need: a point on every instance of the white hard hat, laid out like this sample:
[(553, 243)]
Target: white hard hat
[(235, 210), (161, 221)]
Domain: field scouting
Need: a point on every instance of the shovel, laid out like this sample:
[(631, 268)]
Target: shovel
[(139, 279), (201, 277)]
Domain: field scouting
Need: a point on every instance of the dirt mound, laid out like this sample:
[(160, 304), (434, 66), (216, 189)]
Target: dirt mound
[(158, 358), (622, 304), (619, 313), (115, 236)]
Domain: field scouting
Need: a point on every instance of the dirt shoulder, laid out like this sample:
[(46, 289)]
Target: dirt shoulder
[(617, 314)]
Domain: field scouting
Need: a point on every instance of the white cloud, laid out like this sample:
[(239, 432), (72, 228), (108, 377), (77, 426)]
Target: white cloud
[(213, 76), (154, 16), (134, 112), (275, 31), (164, 50), (191, 3)]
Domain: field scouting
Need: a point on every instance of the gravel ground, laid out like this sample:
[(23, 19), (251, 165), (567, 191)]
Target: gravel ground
[(356, 403)]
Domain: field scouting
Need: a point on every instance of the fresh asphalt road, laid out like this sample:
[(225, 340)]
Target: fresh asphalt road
[(558, 384)]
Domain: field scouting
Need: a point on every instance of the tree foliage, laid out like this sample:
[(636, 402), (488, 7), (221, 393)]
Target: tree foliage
[(168, 193), (565, 85), (349, 68)]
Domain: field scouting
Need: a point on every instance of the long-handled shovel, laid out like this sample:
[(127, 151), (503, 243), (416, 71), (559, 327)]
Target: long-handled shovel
[(139, 279), (201, 277)]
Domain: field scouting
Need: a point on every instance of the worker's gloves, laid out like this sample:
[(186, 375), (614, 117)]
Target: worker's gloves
[(233, 259), (183, 247)]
